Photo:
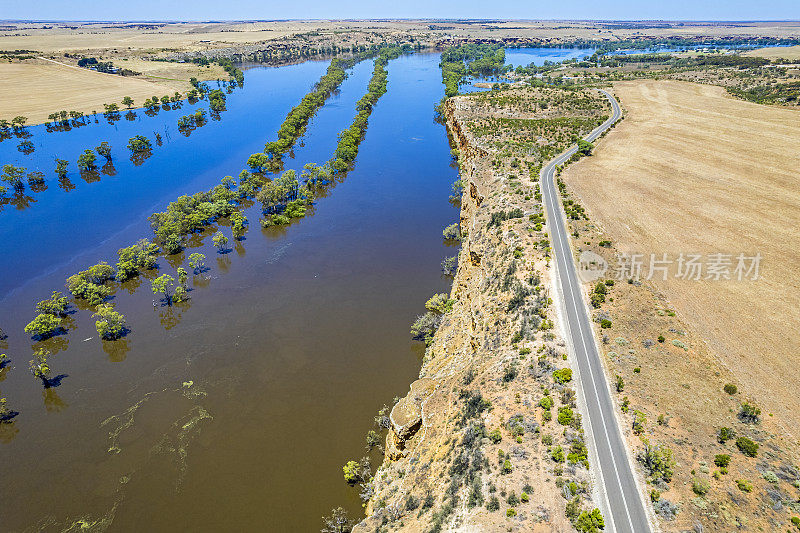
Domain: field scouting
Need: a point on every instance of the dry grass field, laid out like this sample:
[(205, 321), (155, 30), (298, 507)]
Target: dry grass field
[(778, 52), (36, 89), (692, 170)]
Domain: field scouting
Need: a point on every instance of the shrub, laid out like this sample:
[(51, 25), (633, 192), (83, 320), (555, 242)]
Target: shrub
[(425, 326), (493, 504), (605, 323), (449, 265), (509, 373), (725, 434), (557, 454), (511, 512), (411, 503), (546, 403), (700, 486), (590, 522), (654, 495), (562, 375), (747, 446), (524, 497), (639, 421), (565, 416), (495, 436), (770, 477), (744, 485), (452, 232), (730, 388), (597, 300), (439, 303), (658, 461), (722, 460), (661, 338), (507, 468), (749, 413)]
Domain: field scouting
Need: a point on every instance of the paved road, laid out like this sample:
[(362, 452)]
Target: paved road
[(625, 511)]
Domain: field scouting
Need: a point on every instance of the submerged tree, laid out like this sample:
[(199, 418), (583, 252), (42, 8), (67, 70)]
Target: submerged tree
[(43, 326), (164, 284), (220, 241), (104, 150), (56, 305), (197, 262), (86, 161), (39, 366), (61, 168), (110, 324), (14, 176), (238, 225)]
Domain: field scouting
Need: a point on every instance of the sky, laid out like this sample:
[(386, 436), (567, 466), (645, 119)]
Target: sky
[(201, 10)]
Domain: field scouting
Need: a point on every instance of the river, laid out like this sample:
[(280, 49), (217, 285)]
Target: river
[(235, 410)]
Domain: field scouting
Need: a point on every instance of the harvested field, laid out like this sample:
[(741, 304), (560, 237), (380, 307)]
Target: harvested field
[(51, 87), (778, 52), (692, 170)]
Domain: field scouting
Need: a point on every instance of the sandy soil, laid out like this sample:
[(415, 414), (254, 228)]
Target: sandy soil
[(778, 52), (692, 170), (70, 88)]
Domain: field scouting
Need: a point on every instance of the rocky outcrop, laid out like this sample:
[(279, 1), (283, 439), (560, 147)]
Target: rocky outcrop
[(406, 417)]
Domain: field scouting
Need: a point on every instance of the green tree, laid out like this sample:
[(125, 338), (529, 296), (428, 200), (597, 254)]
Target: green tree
[(86, 161), (139, 144), (56, 305), (238, 225), (18, 122), (61, 167), (220, 241), (352, 472), (127, 102), (39, 366), (658, 461), (110, 324), (14, 176), (141, 256), (585, 147), (197, 262), (104, 150), (590, 522), (258, 161), (183, 277), (164, 284), (43, 326)]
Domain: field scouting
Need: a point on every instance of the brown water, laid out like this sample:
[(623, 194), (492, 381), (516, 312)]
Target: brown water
[(236, 410)]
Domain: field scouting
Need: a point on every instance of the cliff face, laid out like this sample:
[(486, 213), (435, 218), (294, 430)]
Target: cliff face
[(470, 446)]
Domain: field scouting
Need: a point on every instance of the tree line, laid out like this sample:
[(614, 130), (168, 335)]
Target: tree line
[(470, 59)]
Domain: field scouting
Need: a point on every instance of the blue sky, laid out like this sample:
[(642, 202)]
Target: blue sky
[(305, 9)]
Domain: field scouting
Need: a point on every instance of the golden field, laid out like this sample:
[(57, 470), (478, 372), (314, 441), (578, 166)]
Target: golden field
[(692, 170)]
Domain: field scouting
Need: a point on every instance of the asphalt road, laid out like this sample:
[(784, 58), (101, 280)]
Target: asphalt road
[(625, 511)]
